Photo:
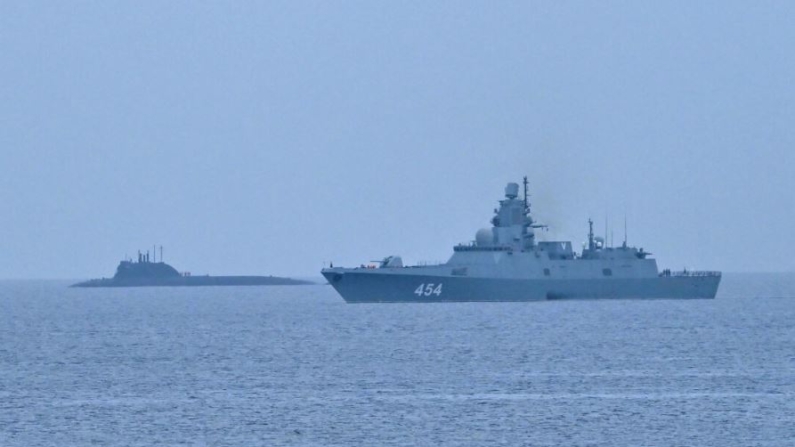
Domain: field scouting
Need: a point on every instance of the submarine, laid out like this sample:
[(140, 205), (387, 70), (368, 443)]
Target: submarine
[(148, 272)]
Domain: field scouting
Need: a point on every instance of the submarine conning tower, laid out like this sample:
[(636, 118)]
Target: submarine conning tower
[(145, 267)]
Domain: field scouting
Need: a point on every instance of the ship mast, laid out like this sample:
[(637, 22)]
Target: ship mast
[(625, 230)]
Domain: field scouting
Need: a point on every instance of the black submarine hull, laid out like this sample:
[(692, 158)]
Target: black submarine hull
[(194, 281)]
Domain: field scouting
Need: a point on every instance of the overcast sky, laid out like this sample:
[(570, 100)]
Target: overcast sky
[(270, 137)]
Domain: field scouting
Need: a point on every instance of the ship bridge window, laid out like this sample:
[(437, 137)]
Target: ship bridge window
[(607, 272), (546, 272)]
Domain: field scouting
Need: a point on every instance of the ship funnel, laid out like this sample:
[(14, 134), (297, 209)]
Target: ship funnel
[(512, 190)]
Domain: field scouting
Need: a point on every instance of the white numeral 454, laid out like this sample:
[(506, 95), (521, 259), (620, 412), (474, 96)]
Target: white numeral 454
[(428, 289)]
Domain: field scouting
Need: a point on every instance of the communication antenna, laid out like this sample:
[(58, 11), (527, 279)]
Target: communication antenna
[(161, 253), (625, 230)]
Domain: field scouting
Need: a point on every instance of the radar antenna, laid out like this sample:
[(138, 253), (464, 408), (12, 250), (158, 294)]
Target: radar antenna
[(625, 230), (526, 204)]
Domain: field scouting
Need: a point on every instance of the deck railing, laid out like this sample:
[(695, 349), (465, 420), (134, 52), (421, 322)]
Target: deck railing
[(473, 247), (668, 272)]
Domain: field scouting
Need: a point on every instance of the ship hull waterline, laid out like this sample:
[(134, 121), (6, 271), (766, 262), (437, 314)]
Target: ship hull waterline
[(363, 286), (194, 281)]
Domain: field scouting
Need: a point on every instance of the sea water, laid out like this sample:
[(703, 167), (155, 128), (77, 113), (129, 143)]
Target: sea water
[(296, 366)]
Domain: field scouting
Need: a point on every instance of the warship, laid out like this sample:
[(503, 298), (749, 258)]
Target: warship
[(148, 272), (507, 263)]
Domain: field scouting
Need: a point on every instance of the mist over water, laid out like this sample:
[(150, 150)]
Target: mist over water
[(256, 138), (297, 366)]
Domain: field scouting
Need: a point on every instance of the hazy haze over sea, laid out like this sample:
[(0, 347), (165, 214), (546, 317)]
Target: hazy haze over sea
[(297, 366), (269, 137)]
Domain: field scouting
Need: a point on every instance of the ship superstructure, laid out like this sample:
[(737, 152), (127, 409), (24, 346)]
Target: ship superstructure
[(507, 263)]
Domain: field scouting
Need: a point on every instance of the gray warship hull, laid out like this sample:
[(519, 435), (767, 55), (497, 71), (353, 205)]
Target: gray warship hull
[(194, 281), (507, 263), (144, 272), (371, 286)]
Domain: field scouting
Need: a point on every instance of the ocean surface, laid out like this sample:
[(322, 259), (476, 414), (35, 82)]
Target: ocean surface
[(296, 366)]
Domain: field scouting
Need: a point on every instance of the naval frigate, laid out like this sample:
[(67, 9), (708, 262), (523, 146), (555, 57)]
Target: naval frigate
[(507, 263)]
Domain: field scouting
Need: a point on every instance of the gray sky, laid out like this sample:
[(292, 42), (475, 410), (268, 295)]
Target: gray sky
[(268, 137)]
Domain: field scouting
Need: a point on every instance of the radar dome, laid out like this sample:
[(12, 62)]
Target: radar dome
[(484, 237), (512, 190)]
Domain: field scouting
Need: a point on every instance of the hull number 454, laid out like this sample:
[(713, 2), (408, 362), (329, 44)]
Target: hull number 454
[(428, 289)]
